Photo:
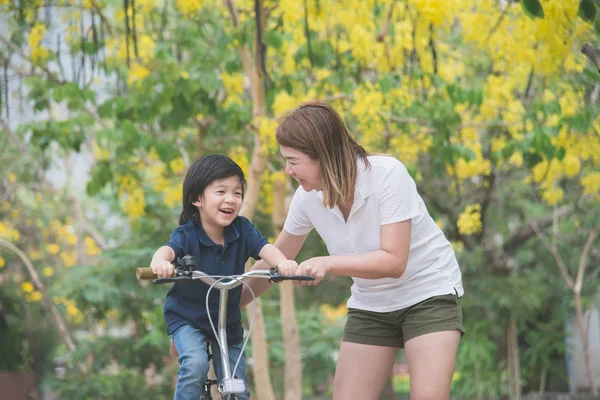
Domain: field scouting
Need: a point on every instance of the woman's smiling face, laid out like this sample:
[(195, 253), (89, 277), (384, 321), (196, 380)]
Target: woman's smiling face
[(302, 168)]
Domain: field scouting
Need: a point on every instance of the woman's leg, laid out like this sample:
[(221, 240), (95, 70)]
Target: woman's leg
[(193, 362), (430, 358), (362, 371), (240, 373)]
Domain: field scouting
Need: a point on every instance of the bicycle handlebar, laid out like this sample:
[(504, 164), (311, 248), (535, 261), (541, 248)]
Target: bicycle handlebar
[(233, 281)]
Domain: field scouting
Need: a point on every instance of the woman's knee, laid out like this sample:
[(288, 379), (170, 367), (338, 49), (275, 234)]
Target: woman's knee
[(428, 392)]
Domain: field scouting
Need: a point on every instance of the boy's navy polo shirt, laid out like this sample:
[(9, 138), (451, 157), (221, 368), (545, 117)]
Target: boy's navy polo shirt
[(186, 301)]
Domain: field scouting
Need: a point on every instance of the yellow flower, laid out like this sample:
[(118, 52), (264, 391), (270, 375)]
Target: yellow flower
[(38, 52), (68, 258), (11, 178), (52, 248), (553, 196), (90, 246), (27, 287), (188, 7), (71, 239), (334, 313), (591, 183), (571, 165), (172, 196), (34, 297), (283, 103), (177, 165), (469, 221), (8, 232), (2, 262), (137, 72), (134, 203), (48, 271), (239, 155), (458, 246), (72, 310)]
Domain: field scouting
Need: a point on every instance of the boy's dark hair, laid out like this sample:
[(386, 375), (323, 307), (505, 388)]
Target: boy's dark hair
[(202, 173)]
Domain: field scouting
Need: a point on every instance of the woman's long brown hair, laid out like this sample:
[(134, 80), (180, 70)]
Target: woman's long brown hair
[(318, 131)]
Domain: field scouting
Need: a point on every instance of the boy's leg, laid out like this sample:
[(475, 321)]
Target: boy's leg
[(234, 352), (193, 362)]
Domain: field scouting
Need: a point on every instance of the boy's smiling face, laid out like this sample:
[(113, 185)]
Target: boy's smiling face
[(221, 202)]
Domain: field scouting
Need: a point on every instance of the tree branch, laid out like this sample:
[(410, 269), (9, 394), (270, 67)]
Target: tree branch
[(426, 124), (527, 231), (91, 111), (592, 53), (583, 258), (559, 261), (48, 304), (386, 27), (13, 136)]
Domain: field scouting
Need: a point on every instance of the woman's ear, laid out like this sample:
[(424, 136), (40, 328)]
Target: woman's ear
[(197, 203)]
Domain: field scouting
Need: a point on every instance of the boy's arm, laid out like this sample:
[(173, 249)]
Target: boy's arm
[(272, 255), (289, 245), (161, 262)]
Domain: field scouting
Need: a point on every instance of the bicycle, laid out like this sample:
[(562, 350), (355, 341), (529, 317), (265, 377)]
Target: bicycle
[(229, 387)]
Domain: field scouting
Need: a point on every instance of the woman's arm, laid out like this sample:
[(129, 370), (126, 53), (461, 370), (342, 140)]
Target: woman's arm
[(388, 262), (289, 245)]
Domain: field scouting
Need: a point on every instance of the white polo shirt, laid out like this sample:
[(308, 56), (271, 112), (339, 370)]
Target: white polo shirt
[(385, 193)]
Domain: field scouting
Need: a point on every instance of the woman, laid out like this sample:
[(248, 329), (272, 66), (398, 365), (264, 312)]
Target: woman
[(407, 282)]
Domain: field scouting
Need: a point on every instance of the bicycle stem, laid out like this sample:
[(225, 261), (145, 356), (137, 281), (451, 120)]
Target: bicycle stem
[(222, 328)]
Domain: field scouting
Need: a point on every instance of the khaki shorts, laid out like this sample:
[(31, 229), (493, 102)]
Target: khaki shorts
[(394, 328)]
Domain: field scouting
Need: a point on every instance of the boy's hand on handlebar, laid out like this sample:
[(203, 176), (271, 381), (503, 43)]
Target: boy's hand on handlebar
[(287, 267), (162, 268), (316, 266)]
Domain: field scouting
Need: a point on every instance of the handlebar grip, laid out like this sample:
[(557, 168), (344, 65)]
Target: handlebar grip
[(279, 278), (145, 273), (298, 278)]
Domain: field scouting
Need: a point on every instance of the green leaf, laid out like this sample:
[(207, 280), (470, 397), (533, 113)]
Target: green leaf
[(387, 83), (532, 159), (560, 154), (533, 8), (587, 10), (101, 174)]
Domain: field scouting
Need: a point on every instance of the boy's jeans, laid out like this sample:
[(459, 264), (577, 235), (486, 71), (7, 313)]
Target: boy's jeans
[(193, 363)]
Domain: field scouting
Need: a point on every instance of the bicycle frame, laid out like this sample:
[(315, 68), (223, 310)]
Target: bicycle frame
[(184, 271)]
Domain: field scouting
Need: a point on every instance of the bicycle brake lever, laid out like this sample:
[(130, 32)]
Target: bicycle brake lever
[(276, 277)]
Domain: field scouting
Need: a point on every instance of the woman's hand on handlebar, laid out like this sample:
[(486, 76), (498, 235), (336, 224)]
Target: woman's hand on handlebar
[(162, 268), (316, 266), (287, 267)]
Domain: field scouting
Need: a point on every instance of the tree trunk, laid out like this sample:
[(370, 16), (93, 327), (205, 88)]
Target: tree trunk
[(252, 67), (514, 375), (388, 391), (260, 354), (583, 333), (289, 324)]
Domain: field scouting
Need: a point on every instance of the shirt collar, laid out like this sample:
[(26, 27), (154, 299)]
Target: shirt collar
[(364, 184), (231, 233)]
